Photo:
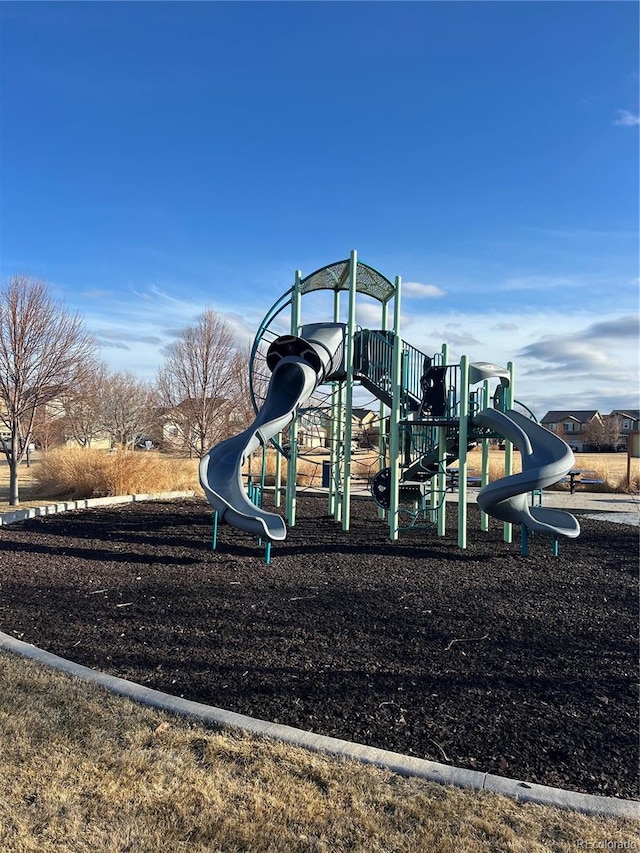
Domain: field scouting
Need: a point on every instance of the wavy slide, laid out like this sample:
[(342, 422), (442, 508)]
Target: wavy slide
[(545, 460), (298, 365), (292, 382)]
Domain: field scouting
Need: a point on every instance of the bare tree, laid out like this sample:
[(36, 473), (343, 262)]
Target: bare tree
[(613, 430), (603, 433), (44, 350), (127, 408), (196, 383), (81, 407), (242, 413), (593, 433), (49, 426)]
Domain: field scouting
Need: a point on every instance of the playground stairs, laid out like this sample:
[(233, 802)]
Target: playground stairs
[(373, 364), (428, 395)]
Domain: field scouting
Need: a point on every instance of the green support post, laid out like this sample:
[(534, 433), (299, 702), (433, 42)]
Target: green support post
[(334, 460), (263, 475), (214, 541), (334, 451), (277, 495), (442, 460), (339, 452), (462, 451), (382, 434), (484, 474), (348, 427), (508, 450), (394, 433), (293, 428)]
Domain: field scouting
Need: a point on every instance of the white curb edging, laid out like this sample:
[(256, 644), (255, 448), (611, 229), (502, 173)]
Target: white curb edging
[(404, 765), (66, 506)]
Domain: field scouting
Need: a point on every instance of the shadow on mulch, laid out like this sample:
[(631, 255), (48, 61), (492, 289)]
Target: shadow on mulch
[(520, 666)]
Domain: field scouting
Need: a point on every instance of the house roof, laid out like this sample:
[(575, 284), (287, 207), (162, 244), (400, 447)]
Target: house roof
[(583, 416), (362, 413), (632, 414)]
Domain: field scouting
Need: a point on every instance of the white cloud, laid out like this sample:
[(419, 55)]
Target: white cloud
[(595, 349), (504, 327), (369, 314), (554, 368), (594, 367), (577, 360), (627, 119), (134, 332), (537, 283), (417, 290)]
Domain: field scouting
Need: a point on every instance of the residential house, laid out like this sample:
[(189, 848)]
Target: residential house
[(573, 426), (314, 427), (365, 427), (627, 421), (178, 427)]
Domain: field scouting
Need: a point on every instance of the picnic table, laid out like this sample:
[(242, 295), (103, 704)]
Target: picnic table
[(581, 477)]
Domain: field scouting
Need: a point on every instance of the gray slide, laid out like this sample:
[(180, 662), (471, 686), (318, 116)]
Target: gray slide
[(299, 365), (545, 460)]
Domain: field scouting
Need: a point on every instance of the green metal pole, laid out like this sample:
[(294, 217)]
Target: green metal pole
[(394, 428), (333, 427), (263, 473), (348, 427), (462, 452), (277, 497), (508, 450), (484, 474), (214, 542), (337, 469), (383, 419), (293, 428), (442, 461)]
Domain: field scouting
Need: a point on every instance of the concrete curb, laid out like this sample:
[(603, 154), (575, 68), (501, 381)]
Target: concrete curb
[(66, 506), (404, 765)]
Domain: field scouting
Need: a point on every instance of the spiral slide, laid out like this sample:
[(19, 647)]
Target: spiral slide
[(545, 460), (298, 366)]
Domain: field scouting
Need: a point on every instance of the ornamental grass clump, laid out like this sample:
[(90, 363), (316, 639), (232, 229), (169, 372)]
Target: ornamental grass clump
[(75, 473), (308, 472)]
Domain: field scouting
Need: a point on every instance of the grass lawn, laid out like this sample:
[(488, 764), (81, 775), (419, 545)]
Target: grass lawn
[(83, 770)]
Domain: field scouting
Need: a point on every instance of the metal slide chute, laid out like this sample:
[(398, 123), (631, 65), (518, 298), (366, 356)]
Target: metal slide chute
[(299, 365), (546, 458)]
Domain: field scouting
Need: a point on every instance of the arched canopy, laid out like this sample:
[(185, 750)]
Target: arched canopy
[(336, 277)]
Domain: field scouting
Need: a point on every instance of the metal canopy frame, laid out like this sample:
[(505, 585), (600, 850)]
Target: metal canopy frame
[(337, 277)]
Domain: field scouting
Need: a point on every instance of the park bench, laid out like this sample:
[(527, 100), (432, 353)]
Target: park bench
[(453, 477), (581, 478)]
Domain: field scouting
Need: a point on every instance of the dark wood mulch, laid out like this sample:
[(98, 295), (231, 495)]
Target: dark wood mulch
[(521, 666)]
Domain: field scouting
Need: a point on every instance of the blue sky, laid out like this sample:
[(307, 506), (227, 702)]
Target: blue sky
[(161, 158)]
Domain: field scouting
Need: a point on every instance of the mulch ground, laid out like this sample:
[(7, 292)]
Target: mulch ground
[(521, 666)]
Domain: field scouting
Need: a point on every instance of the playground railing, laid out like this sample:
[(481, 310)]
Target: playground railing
[(414, 364)]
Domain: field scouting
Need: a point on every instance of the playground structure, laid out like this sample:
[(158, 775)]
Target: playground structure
[(432, 413)]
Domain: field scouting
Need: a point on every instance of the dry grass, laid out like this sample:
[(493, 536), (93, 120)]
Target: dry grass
[(611, 468), (84, 771), (75, 473), (309, 471)]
